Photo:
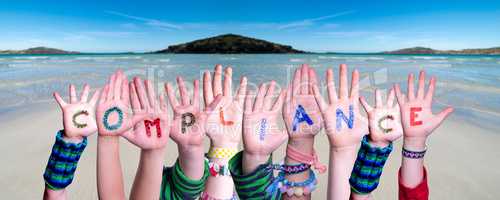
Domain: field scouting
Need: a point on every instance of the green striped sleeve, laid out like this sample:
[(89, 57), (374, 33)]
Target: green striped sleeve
[(177, 186)]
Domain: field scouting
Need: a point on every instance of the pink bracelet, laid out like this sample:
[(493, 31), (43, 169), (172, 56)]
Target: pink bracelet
[(306, 159)]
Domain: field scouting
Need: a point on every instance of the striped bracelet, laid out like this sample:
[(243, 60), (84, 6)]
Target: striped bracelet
[(413, 154)]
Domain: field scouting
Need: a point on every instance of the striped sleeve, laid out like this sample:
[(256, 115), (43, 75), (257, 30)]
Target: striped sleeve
[(252, 186), (177, 186)]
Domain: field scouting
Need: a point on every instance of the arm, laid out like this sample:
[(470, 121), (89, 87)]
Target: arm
[(345, 127), (418, 123), (78, 122), (109, 171)]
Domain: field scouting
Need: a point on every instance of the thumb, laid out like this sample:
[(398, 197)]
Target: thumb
[(129, 135), (440, 117)]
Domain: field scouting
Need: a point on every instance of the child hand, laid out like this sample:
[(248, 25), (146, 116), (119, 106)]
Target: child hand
[(113, 117), (344, 124), (261, 135), (78, 115), (152, 132), (384, 120), (224, 124), (416, 111)]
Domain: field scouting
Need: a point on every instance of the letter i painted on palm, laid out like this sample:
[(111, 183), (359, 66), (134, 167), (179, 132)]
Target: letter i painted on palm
[(301, 116), (414, 115), (341, 117), (148, 125), (262, 129)]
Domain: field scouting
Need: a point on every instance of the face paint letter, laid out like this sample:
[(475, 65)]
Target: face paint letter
[(387, 117), (262, 129), (225, 123), (300, 116), (341, 117), (148, 125), (77, 124), (118, 123), (187, 120), (414, 115)]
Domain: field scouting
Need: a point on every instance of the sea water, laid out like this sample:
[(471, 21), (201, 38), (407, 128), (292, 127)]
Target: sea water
[(471, 84)]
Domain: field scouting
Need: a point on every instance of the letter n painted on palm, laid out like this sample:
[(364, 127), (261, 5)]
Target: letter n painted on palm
[(148, 125), (414, 115), (341, 117), (300, 116)]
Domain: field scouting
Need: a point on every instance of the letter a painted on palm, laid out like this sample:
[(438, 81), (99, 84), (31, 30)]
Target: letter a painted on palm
[(300, 116)]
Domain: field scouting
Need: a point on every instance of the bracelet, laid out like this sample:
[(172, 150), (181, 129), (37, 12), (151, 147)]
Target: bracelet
[(413, 154), (222, 153), (218, 170), (304, 158), (62, 162), (294, 188), (206, 196), (290, 169)]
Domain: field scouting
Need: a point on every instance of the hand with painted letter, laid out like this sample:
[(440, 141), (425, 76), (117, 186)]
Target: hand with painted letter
[(224, 124), (153, 131), (345, 126), (78, 115), (384, 120), (416, 111), (261, 134), (113, 111)]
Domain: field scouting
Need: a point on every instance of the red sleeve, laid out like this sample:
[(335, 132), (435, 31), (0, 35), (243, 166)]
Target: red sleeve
[(421, 192)]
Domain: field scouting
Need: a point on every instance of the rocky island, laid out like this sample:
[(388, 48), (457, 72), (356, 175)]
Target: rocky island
[(229, 44), (38, 50), (424, 50)]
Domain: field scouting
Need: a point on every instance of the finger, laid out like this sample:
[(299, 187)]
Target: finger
[(411, 87), (365, 104), (208, 95), (279, 102), (59, 100), (313, 80), (163, 104), (259, 99), (430, 91), (196, 93), (242, 91), (85, 93), (248, 103), (72, 94), (125, 95), (95, 97), (129, 135), (268, 99), (399, 95), (355, 84), (118, 85), (296, 83), (182, 91), (390, 98), (228, 82), (216, 84), (421, 85), (104, 94), (134, 99), (319, 99), (330, 84), (440, 117), (343, 81), (171, 95), (151, 94), (111, 90), (215, 103), (378, 99), (141, 93), (304, 79)]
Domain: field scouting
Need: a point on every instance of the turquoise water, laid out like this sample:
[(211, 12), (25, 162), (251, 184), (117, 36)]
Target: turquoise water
[(469, 83)]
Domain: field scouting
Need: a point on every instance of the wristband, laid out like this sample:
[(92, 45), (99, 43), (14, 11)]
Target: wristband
[(368, 167), (312, 160), (294, 188), (222, 153), (290, 169), (218, 170), (62, 162), (413, 154)]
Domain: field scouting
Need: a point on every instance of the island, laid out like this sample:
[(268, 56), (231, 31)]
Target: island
[(229, 44), (38, 50), (425, 50)]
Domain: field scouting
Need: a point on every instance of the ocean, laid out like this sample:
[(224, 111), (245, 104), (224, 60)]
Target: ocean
[(471, 84)]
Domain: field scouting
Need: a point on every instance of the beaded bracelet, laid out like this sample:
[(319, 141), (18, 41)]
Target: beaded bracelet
[(62, 162), (413, 154), (290, 169), (206, 196), (218, 170), (294, 188)]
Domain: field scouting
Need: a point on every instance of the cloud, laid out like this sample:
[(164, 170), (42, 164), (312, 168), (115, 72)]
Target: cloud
[(148, 21), (309, 22)]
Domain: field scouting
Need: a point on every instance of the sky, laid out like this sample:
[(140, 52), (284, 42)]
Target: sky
[(320, 26)]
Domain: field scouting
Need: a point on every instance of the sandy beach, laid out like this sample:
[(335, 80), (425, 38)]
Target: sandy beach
[(461, 159)]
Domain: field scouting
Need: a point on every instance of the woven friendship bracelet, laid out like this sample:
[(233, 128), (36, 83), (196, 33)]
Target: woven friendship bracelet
[(222, 153), (368, 167), (63, 162), (413, 154), (218, 170), (290, 169)]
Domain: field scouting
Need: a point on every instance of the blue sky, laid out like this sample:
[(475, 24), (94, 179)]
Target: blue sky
[(342, 26)]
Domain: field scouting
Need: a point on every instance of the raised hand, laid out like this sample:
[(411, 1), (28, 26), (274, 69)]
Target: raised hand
[(224, 124), (384, 120), (261, 134), (153, 131), (78, 115), (300, 111), (416, 111), (113, 110), (345, 126)]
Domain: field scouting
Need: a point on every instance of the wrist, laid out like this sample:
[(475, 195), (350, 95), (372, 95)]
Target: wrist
[(378, 143), (304, 145), (191, 152), (75, 139), (415, 143), (255, 158)]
